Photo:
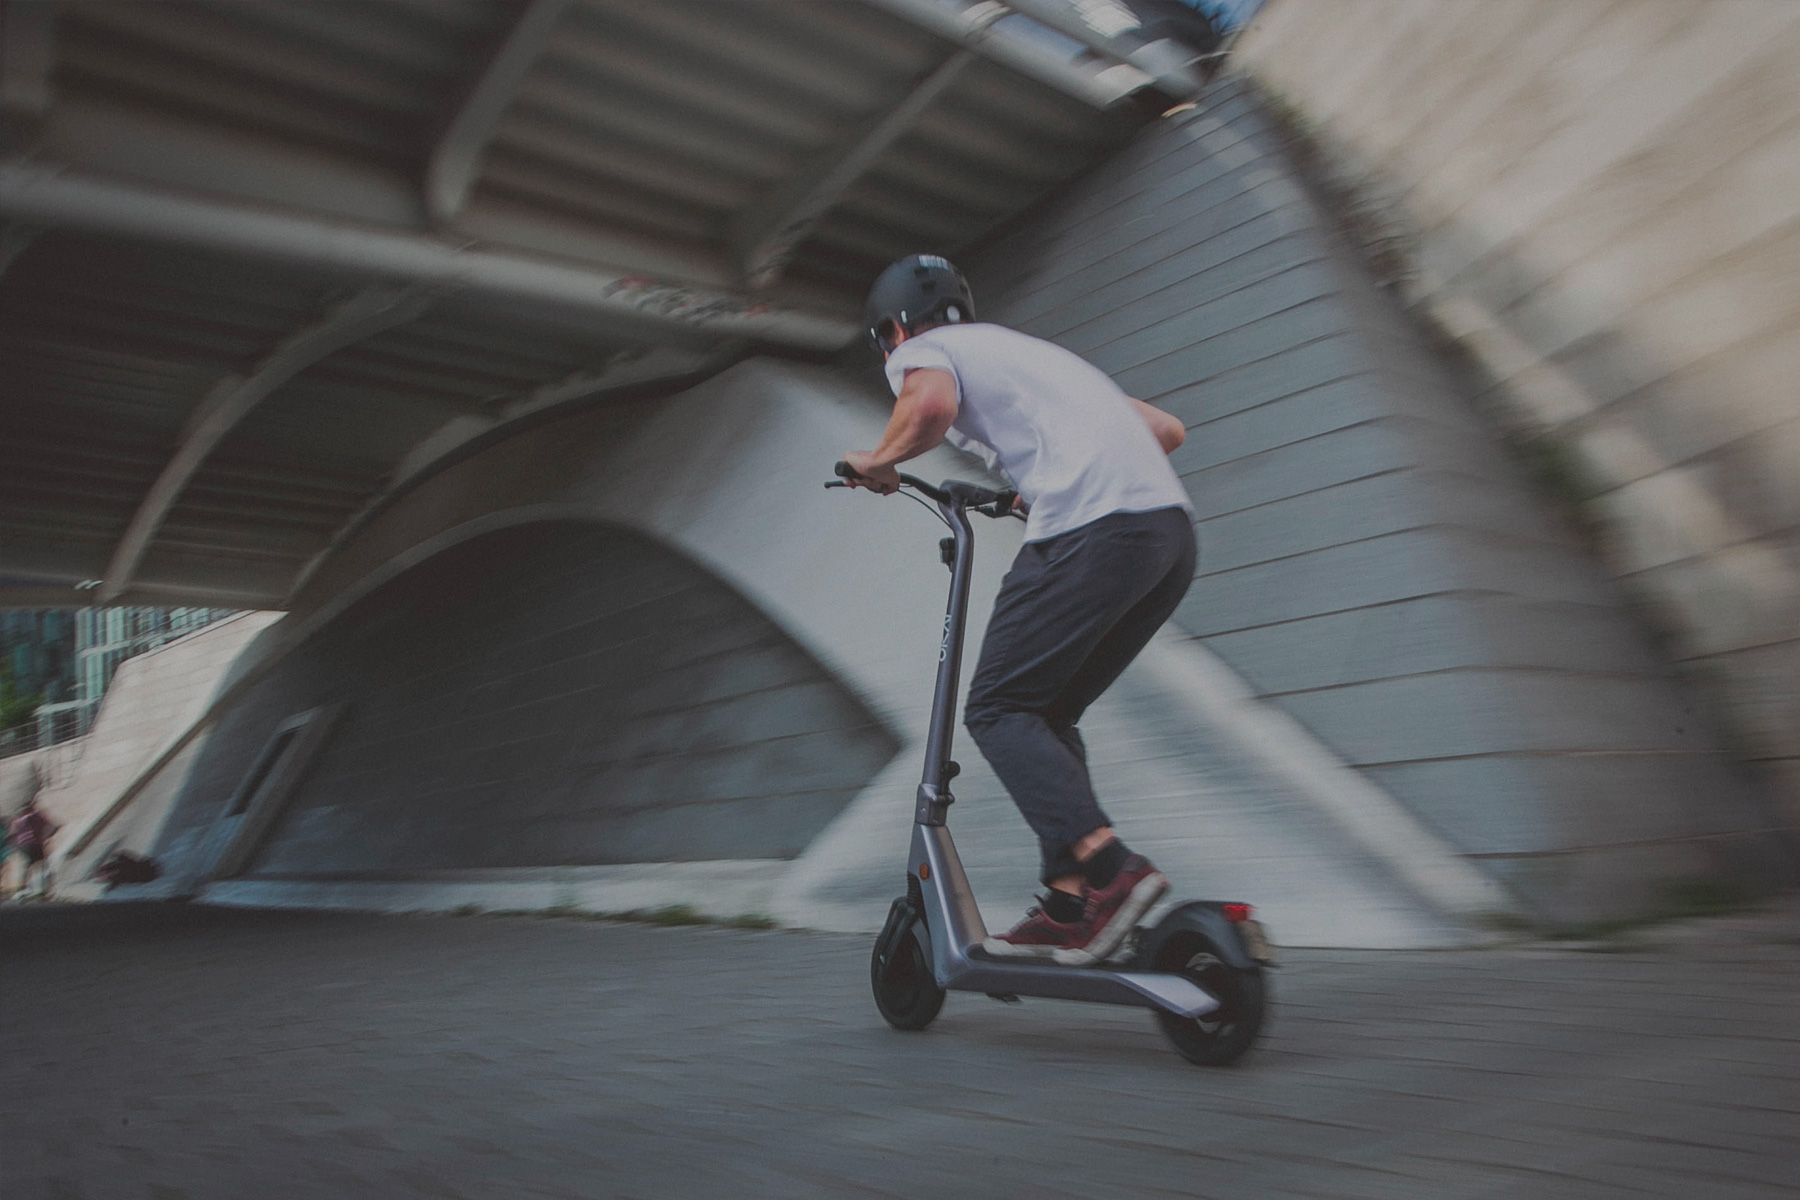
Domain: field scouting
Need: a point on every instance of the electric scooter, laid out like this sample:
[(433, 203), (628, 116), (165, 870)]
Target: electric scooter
[(1199, 968)]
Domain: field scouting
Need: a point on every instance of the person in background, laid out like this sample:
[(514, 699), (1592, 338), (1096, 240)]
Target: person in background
[(30, 834)]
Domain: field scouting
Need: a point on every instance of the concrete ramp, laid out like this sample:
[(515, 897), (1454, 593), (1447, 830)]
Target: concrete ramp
[(116, 788), (1190, 794)]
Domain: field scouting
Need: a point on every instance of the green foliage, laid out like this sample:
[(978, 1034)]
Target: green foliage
[(1677, 900), (1706, 896), (1557, 468), (16, 707), (671, 914), (1507, 922), (750, 921)]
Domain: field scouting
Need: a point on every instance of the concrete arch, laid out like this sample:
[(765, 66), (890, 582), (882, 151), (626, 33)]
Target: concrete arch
[(728, 475), (536, 690)]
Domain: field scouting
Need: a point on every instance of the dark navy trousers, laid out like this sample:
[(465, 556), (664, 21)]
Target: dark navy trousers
[(1072, 613)]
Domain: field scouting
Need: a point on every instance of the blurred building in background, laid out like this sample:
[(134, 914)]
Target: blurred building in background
[(57, 664), (37, 666), (106, 637), (37, 647)]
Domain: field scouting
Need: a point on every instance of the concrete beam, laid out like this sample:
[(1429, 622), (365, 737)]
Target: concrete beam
[(456, 160), (27, 57), (655, 309), (771, 228), (454, 438), (232, 398), (972, 28), (1110, 28)]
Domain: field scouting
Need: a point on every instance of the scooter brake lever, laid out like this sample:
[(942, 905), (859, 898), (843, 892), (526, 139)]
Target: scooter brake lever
[(1002, 506)]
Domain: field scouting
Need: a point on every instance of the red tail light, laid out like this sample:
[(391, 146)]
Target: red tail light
[(1237, 914)]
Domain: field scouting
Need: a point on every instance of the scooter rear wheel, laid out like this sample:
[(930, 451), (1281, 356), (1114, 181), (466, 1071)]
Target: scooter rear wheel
[(1220, 1037), (905, 992)]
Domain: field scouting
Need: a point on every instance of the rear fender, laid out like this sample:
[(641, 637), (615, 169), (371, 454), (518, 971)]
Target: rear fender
[(1196, 916)]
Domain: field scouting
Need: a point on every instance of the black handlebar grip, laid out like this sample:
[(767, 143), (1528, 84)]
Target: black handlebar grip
[(844, 470)]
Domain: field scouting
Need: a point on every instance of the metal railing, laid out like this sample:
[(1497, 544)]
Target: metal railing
[(55, 724)]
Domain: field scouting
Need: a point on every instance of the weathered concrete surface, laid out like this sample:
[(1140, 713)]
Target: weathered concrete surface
[(1602, 202), (557, 693), (200, 1054), (728, 476), (22, 775), (1371, 560)]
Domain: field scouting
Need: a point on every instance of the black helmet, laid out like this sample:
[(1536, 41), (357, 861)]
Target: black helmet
[(915, 290)]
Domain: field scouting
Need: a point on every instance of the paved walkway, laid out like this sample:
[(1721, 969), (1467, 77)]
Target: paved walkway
[(259, 1056)]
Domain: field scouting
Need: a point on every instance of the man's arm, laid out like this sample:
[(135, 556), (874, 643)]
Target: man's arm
[(923, 412), (1169, 430)]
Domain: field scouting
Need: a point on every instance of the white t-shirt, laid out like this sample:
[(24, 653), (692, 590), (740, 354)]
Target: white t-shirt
[(1055, 425)]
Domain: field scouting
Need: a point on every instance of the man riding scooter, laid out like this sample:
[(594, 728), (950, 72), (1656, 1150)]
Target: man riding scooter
[(1109, 552)]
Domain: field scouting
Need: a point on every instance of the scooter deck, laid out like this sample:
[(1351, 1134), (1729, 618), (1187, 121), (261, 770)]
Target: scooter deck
[(1098, 984), (960, 965)]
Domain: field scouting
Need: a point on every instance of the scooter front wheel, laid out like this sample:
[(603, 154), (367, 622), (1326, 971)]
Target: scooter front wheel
[(1220, 1037), (905, 991)]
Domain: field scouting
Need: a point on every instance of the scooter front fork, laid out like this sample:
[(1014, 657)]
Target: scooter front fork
[(906, 912), (947, 906)]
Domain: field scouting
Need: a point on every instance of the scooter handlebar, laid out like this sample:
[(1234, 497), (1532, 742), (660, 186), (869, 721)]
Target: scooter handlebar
[(986, 501)]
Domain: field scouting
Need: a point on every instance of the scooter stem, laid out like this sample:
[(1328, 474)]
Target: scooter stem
[(934, 786)]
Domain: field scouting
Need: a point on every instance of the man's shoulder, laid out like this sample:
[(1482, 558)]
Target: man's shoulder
[(974, 331), (981, 337)]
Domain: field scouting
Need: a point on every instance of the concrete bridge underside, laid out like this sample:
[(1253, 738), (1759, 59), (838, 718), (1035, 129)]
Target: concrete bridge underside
[(630, 654)]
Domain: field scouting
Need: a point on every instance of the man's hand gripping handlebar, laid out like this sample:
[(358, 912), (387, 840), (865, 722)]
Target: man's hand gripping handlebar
[(986, 501)]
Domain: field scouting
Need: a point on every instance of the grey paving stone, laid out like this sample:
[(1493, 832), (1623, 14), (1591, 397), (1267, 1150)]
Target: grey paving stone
[(212, 1053)]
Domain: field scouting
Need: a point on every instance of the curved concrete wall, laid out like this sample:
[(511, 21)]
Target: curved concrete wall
[(725, 479), (727, 476), (546, 694), (1371, 562), (1602, 203)]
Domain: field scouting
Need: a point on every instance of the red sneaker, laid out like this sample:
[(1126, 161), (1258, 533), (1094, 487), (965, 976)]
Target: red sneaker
[(1037, 936), (1113, 910)]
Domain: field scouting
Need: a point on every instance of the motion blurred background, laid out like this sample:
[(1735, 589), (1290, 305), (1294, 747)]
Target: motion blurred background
[(414, 412)]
